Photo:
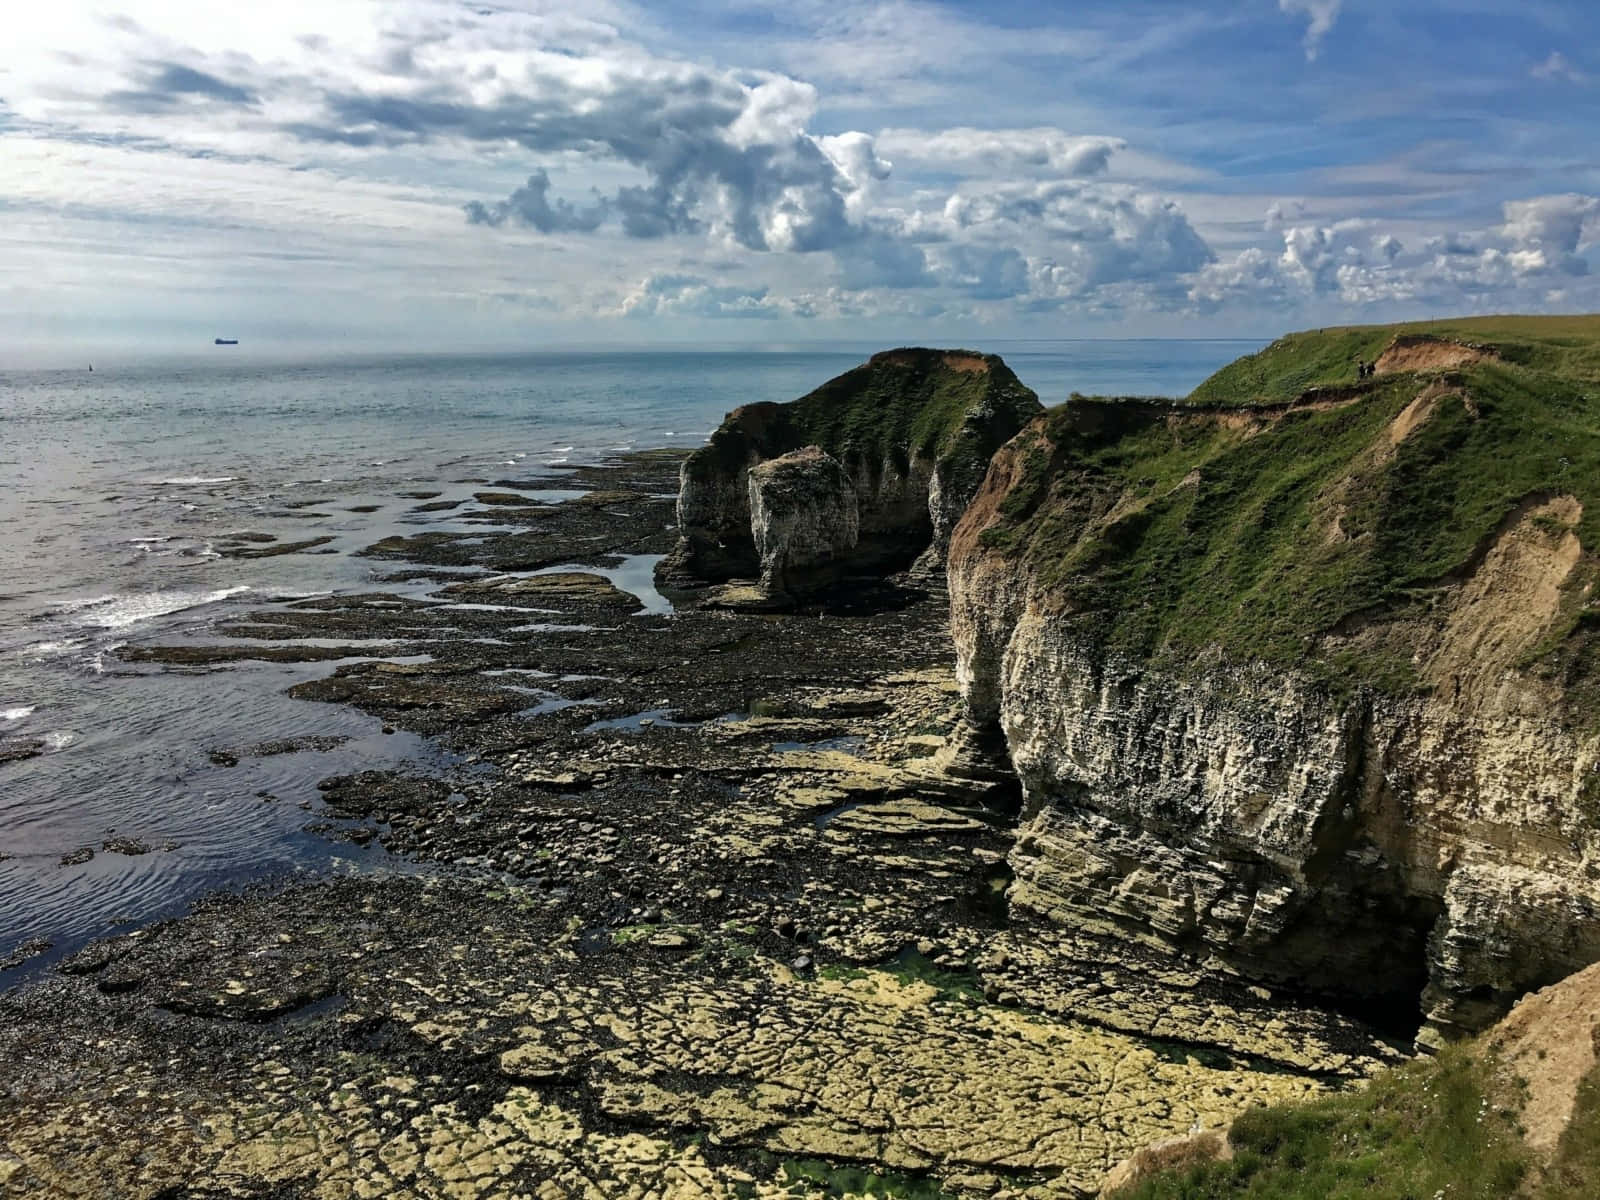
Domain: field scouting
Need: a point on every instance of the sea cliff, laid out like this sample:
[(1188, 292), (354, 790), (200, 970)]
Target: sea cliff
[(1297, 674)]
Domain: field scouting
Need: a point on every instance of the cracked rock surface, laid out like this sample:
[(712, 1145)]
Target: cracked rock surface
[(694, 915)]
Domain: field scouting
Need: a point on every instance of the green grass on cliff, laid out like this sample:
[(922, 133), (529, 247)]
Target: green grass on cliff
[(1444, 1127), (904, 403), (1168, 530), (1436, 1127), (1327, 357), (897, 405)]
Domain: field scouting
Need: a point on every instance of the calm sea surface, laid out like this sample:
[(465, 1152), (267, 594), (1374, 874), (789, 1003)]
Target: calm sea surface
[(115, 486)]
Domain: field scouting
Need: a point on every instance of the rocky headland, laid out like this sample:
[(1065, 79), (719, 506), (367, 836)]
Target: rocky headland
[(1253, 734), (866, 475)]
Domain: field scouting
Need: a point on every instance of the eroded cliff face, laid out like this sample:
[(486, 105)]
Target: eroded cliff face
[(913, 431), (1406, 809)]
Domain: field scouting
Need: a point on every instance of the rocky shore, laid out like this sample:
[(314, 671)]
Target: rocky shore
[(1221, 764), (695, 917)]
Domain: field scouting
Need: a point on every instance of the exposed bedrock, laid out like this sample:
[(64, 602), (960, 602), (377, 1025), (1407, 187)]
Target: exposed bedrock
[(1270, 703), (912, 431), (803, 518)]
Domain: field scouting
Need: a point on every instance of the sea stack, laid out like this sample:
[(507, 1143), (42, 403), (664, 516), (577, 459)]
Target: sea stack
[(910, 432)]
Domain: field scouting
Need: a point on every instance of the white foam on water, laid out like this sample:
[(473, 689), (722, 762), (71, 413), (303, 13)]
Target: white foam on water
[(195, 480), (557, 450), (119, 612), (16, 714), (59, 740), (97, 664), (44, 649)]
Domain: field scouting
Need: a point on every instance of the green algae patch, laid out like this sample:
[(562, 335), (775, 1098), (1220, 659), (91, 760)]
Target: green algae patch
[(913, 967), (1244, 523)]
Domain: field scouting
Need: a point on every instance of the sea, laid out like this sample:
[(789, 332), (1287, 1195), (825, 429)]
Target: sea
[(118, 484)]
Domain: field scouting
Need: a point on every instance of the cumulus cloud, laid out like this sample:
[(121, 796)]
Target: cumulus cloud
[(1539, 240), (1547, 232), (1251, 277), (718, 154), (985, 273), (1320, 16), (1089, 234), (530, 205), (692, 296)]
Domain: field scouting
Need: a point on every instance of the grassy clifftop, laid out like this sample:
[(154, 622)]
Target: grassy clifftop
[(1290, 501), (1323, 358), (897, 405)]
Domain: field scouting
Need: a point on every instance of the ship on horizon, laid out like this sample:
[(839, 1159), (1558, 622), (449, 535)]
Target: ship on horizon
[(226, 342)]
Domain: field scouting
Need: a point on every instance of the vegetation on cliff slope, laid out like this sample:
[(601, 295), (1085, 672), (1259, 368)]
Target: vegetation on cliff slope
[(1287, 497), (897, 405), (1445, 1127)]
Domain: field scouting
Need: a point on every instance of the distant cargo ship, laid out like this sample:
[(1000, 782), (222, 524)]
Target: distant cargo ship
[(226, 342)]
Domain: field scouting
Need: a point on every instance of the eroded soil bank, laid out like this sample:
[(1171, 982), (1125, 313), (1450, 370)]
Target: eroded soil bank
[(695, 916)]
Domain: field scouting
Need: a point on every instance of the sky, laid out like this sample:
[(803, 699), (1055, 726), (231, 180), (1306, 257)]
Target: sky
[(431, 174)]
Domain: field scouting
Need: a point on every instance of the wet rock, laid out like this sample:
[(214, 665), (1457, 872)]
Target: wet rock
[(17, 749), (31, 948), (78, 857)]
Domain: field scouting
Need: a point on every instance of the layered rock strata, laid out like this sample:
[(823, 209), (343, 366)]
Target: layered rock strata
[(912, 430), (804, 520), (1252, 723)]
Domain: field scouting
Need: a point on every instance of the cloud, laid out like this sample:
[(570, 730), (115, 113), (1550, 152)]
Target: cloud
[(719, 154), (883, 261), (1086, 234), (1557, 67), (1250, 277), (530, 205), (171, 84), (1547, 232), (1321, 15), (985, 273), (972, 150), (667, 295), (1539, 240)]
